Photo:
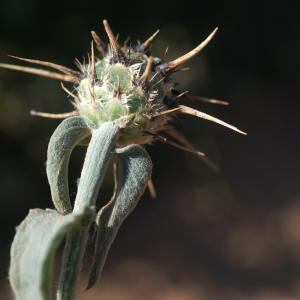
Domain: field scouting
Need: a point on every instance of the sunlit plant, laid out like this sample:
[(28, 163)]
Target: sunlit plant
[(123, 101)]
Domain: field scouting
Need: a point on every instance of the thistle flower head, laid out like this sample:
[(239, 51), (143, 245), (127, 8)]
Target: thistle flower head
[(125, 88), (130, 87)]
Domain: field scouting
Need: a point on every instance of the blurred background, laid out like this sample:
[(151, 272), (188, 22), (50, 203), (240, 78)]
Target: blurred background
[(234, 235)]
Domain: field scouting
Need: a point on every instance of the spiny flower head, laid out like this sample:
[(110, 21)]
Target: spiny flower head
[(130, 87), (123, 87)]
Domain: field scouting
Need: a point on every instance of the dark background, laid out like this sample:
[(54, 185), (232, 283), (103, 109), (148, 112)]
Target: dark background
[(207, 236)]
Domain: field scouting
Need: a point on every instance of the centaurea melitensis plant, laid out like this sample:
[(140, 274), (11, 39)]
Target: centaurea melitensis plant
[(121, 102)]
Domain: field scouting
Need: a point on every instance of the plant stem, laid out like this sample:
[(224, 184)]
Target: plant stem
[(98, 156)]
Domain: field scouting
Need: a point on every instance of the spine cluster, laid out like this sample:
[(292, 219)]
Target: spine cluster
[(130, 87), (124, 87)]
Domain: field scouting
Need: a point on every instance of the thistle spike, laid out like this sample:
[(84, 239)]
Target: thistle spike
[(71, 94), (118, 94), (55, 116), (179, 61), (146, 45), (101, 45), (94, 74), (79, 65), (126, 41), (67, 71), (164, 139), (185, 142), (152, 87), (151, 189), (39, 72), (202, 99), (157, 114), (196, 98), (117, 51), (144, 78), (194, 112), (72, 102), (163, 58), (92, 95), (154, 76), (184, 148), (179, 70), (180, 95)]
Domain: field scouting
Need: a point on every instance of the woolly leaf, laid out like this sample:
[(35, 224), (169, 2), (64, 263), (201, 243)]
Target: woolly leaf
[(133, 169), (71, 132), (34, 247)]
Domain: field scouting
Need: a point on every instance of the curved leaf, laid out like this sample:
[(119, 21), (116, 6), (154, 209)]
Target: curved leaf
[(133, 168), (34, 247), (71, 132)]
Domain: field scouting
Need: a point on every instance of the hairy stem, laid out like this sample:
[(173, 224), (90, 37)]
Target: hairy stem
[(99, 154)]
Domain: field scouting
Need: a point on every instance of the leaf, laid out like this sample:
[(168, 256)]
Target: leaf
[(71, 132), (34, 247), (133, 169)]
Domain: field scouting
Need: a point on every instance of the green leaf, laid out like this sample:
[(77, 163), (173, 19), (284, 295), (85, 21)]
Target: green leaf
[(133, 169), (71, 132), (34, 247)]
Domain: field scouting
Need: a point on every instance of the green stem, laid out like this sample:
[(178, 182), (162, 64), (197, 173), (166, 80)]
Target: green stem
[(99, 154)]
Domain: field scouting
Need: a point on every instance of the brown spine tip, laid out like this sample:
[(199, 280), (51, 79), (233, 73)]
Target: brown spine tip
[(165, 112), (102, 46), (94, 74), (39, 72), (75, 97), (146, 46), (144, 78), (79, 65), (164, 139), (179, 70), (199, 114), (126, 41), (180, 95), (118, 54), (147, 43), (55, 116), (151, 189), (92, 96), (179, 61), (163, 58), (202, 99), (72, 73), (186, 143), (196, 98), (118, 94)]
